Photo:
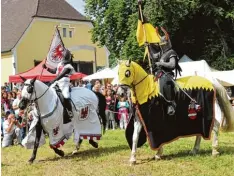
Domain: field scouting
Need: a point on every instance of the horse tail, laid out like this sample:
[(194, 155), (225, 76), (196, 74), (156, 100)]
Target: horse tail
[(227, 124), (102, 108)]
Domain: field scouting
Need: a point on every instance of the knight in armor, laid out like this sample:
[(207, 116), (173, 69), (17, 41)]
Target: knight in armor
[(165, 61), (64, 70)]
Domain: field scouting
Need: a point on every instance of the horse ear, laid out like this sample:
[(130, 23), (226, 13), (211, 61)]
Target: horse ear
[(33, 80), (128, 62), (23, 79)]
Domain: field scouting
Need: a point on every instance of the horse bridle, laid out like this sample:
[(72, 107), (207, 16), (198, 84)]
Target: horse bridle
[(30, 89), (132, 85)]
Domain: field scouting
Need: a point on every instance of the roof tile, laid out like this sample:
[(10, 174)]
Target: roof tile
[(18, 14)]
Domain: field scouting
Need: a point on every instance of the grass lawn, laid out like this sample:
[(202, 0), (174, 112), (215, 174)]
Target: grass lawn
[(112, 159)]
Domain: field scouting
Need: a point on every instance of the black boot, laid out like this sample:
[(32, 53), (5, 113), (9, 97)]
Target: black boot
[(68, 107)]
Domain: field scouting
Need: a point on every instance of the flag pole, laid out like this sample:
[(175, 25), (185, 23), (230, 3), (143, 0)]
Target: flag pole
[(56, 28), (42, 71), (142, 20)]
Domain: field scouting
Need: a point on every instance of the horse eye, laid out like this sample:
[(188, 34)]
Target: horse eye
[(127, 73)]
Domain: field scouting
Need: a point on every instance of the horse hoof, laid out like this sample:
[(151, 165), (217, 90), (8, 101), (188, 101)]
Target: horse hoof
[(74, 152), (193, 152), (157, 157), (132, 163), (61, 153), (215, 153), (30, 161)]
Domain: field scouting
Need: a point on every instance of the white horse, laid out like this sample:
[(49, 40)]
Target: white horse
[(132, 76), (50, 111)]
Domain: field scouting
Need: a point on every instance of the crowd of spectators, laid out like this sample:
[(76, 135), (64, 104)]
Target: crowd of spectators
[(13, 123), (117, 108)]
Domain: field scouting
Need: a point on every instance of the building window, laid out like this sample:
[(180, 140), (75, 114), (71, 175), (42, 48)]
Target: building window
[(70, 34), (64, 32), (83, 67)]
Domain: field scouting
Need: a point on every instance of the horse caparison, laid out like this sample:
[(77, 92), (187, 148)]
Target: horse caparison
[(160, 128), (49, 107)]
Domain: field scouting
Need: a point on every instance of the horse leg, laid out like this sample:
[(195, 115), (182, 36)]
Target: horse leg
[(135, 137), (196, 146), (77, 146), (59, 152), (37, 140), (93, 143), (215, 144), (159, 154)]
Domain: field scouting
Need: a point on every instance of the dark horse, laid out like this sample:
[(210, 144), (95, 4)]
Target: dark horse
[(151, 121)]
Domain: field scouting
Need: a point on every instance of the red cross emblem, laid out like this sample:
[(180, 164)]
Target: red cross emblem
[(57, 53), (55, 131), (84, 112)]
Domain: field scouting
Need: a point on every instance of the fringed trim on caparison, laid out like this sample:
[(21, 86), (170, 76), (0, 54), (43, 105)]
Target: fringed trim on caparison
[(195, 82), (192, 135)]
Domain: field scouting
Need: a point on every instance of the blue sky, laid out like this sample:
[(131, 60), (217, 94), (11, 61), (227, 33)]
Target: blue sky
[(78, 5)]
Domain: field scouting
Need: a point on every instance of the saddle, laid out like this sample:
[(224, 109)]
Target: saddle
[(66, 116)]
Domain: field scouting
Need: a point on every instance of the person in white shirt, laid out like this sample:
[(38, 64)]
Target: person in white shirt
[(9, 130), (19, 117), (15, 104)]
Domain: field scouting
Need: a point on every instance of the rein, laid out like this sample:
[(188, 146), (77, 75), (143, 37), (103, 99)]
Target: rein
[(141, 80), (36, 103), (37, 98), (134, 84)]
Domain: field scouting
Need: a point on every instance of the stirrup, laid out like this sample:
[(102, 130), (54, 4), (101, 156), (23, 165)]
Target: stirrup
[(171, 110), (70, 113)]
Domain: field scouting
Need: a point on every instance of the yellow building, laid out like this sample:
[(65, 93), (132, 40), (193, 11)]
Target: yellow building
[(27, 30)]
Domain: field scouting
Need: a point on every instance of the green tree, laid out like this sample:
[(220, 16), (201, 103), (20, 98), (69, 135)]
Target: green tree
[(200, 29)]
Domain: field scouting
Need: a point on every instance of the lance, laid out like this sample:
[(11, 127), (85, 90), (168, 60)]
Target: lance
[(142, 20)]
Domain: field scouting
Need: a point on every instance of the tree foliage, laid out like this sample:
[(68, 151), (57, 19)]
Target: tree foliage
[(200, 29)]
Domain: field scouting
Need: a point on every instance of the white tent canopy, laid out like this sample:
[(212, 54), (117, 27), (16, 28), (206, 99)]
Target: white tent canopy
[(103, 74), (116, 79), (185, 58), (189, 68), (226, 78), (201, 68)]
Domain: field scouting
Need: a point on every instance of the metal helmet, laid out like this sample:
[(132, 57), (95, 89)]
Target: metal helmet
[(67, 58)]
